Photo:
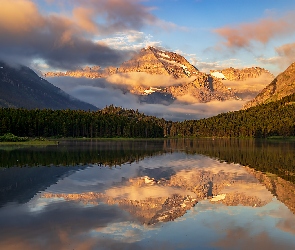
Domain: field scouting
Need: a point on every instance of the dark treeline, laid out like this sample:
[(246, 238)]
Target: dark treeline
[(109, 122), (272, 119), (71, 153)]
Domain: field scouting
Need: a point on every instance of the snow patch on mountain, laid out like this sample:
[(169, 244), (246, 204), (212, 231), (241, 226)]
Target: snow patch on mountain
[(218, 75)]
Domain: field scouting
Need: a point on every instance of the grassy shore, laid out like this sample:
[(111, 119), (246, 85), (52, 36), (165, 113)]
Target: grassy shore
[(282, 138), (32, 142), (107, 139)]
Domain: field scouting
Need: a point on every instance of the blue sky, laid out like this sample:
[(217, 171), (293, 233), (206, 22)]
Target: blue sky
[(211, 34)]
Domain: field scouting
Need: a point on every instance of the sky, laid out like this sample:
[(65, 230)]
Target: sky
[(65, 34), (61, 35)]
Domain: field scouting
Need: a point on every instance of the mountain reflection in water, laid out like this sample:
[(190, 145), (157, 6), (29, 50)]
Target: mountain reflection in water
[(167, 195)]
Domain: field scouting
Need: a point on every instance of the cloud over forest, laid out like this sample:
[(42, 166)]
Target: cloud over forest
[(102, 92)]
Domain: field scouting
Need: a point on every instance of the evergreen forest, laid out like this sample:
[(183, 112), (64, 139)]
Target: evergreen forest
[(108, 122), (271, 119)]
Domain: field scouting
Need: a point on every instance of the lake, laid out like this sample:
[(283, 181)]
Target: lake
[(149, 194)]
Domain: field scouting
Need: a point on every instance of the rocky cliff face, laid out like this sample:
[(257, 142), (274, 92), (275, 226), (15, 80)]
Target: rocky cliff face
[(160, 62), (149, 60), (200, 87), (245, 83), (233, 74), (281, 86), (88, 72), (204, 89)]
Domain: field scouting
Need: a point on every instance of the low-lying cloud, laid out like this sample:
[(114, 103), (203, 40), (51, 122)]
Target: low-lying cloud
[(133, 79), (101, 93), (251, 84)]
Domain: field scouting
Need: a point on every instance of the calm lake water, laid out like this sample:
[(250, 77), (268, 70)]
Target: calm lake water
[(153, 194)]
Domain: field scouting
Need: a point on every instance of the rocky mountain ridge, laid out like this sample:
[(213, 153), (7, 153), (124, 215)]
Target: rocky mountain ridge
[(204, 88), (21, 87), (192, 86), (149, 60), (281, 86), (154, 61), (201, 87), (88, 72), (233, 74)]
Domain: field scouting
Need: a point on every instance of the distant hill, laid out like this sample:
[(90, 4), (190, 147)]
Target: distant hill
[(21, 87), (271, 119), (283, 85)]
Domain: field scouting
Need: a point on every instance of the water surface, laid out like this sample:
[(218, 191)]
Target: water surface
[(159, 194)]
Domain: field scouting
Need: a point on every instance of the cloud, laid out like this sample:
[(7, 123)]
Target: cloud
[(243, 35), (239, 238), (101, 92), (285, 56), (96, 91), (254, 84), (67, 39), (58, 40), (217, 65), (133, 79), (130, 40)]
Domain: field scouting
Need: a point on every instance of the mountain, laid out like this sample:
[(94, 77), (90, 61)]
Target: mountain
[(88, 72), (245, 83), (149, 60), (22, 87), (160, 62), (233, 74), (204, 88), (198, 86), (185, 81), (283, 85)]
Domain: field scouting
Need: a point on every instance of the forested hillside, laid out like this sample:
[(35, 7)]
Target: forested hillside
[(281, 86), (108, 122), (21, 87), (272, 119), (275, 118)]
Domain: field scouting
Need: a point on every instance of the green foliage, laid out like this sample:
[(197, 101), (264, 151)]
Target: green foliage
[(272, 119), (108, 122), (9, 137), (22, 87)]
